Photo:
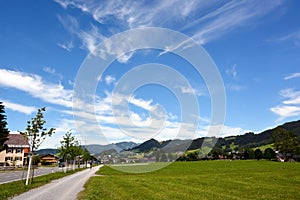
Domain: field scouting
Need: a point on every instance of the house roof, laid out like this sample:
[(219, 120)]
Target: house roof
[(16, 140)]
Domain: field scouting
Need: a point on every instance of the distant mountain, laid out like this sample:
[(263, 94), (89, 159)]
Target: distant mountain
[(146, 146), (126, 145), (97, 148), (248, 140), (252, 140), (166, 146), (94, 148), (46, 151)]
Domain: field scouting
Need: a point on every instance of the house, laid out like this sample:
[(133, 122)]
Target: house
[(15, 152), (48, 159)]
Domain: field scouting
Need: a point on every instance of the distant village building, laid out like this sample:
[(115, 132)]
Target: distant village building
[(16, 151), (48, 159)]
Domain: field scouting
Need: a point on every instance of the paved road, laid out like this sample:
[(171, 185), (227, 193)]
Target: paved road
[(65, 188), (10, 176)]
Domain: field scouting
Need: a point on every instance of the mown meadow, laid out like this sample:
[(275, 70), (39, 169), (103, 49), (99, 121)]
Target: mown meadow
[(198, 180)]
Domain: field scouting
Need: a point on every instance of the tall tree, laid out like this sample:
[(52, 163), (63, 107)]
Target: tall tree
[(258, 154), (269, 154), (284, 141), (4, 132), (69, 148), (86, 155), (36, 134)]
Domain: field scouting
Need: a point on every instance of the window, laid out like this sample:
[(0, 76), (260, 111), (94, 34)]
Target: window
[(19, 151), (18, 158), (8, 158), (9, 151)]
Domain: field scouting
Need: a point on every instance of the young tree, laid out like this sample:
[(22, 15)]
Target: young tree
[(75, 152), (36, 134), (86, 155), (4, 132), (69, 148)]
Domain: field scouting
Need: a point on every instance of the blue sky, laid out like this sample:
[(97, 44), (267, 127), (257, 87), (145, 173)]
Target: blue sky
[(255, 46)]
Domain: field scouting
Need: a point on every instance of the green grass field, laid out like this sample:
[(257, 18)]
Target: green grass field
[(199, 180)]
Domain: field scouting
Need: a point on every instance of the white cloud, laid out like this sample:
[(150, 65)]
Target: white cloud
[(291, 76), (91, 39), (36, 86), (49, 70), (110, 80), (290, 106), (18, 107), (141, 103), (190, 90)]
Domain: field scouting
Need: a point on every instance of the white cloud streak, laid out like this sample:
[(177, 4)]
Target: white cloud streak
[(292, 76), (290, 107), (36, 87), (18, 107)]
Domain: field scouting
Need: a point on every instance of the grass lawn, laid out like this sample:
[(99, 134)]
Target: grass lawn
[(199, 180), (11, 189)]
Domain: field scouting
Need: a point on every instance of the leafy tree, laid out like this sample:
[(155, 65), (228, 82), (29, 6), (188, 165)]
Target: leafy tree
[(248, 154), (285, 141), (36, 134), (258, 154), (269, 154), (163, 158), (4, 132), (69, 148), (86, 155), (75, 152)]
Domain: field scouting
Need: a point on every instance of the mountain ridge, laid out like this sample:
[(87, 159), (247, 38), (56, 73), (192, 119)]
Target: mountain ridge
[(247, 140)]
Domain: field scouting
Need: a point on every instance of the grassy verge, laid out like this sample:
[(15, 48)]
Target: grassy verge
[(199, 180), (18, 187)]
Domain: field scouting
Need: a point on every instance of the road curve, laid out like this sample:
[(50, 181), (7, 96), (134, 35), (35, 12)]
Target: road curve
[(65, 188)]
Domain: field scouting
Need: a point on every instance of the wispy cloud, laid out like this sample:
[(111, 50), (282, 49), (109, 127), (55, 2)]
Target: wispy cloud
[(291, 76), (290, 106), (235, 87), (293, 38), (227, 17), (232, 72), (190, 90), (202, 25), (18, 107), (36, 86), (67, 46)]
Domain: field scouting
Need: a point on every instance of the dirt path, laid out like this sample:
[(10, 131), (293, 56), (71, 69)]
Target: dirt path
[(65, 188)]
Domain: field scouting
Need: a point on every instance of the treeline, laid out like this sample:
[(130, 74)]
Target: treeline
[(285, 145), (217, 154)]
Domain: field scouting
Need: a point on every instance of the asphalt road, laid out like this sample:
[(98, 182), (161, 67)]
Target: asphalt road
[(65, 188), (9, 176)]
